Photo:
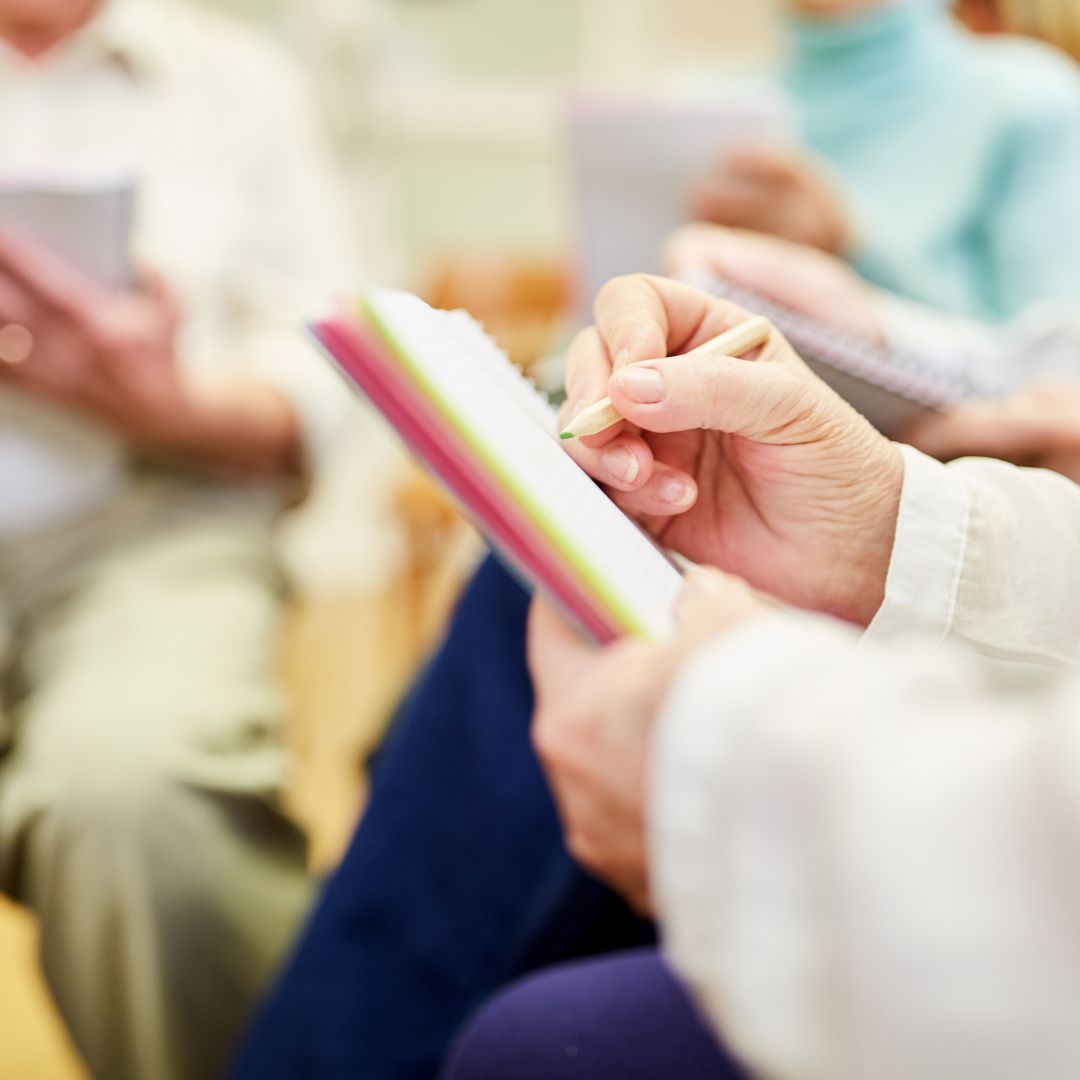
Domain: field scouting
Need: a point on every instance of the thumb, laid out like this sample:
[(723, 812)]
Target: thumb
[(556, 652), (768, 402)]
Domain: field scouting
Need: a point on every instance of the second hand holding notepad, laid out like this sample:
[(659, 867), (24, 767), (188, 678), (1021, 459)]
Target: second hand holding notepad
[(492, 438)]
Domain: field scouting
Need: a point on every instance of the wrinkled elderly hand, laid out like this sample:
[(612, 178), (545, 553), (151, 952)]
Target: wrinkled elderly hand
[(1039, 427), (775, 191), (111, 357), (799, 277), (750, 465), (596, 711)]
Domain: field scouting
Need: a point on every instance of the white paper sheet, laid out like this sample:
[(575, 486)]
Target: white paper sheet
[(89, 223), (634, 164)]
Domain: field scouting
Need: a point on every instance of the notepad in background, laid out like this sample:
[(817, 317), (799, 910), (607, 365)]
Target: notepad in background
[(890, 387), (89, 223), (54, 465), (634, 162), (491, 437)]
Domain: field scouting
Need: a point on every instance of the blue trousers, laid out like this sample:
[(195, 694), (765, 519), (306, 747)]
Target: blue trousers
[(455, 883), (618, 1018)]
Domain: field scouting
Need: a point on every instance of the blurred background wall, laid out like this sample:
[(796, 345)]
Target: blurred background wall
[(447, 112)]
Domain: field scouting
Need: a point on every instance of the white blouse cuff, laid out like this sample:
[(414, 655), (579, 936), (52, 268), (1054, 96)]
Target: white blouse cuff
[(928, 555)]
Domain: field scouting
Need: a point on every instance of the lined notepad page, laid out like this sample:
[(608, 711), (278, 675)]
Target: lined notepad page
[(512, 429)]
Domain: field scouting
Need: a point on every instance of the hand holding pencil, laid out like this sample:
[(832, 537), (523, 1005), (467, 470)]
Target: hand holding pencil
[(738, 341), (753, 466)]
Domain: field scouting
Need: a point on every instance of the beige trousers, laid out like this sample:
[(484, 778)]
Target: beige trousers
[(143, 760)]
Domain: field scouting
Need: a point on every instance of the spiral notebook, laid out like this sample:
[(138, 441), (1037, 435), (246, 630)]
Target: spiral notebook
[(492, 438), (890, 387)]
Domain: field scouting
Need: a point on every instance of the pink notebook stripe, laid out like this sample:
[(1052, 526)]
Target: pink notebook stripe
[(365, 361)]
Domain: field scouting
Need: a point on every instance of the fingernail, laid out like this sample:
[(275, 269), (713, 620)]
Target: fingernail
[(622, 465), (675, 492), (642, 385)]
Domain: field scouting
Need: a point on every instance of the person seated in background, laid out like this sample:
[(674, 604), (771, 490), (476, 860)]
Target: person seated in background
[(851, 828), (942, 165), (148, 441)]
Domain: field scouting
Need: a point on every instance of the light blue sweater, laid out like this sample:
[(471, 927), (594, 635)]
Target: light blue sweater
[(960, 156)]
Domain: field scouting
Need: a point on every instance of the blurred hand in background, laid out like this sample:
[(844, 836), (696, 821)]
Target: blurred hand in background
[(779, 192), (35, 26), (800, 277), (112, 357), (1038, 427)]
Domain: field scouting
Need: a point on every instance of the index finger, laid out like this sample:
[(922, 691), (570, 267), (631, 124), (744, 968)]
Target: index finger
[(588, 372), (642, 317)]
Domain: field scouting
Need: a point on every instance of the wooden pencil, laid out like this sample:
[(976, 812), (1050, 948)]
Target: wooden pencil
[(735, 342)]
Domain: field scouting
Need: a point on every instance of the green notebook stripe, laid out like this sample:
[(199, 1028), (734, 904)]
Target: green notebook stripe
[(624, 618)]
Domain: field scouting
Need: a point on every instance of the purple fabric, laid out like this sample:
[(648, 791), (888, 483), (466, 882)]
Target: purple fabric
[(622, 1017)]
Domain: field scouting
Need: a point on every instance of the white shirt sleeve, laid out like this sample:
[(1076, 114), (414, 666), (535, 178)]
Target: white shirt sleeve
[(988, 555), (295, 258), (866, 852), (867, 859)]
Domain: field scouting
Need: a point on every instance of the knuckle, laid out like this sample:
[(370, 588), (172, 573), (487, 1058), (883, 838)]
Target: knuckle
[(609, 291), (576, 845), (732, 313), (794, 405), (614, 291), (584, 849), (712, 392), (547, 740), (105, 334), (584, 341), (1069, 439), (617, 285)]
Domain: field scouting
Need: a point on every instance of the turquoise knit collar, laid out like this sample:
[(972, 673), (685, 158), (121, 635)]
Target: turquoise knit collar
[(876, 65), (895, 33)]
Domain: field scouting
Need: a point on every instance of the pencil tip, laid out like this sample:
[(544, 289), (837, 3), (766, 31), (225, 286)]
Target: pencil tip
[(566, 435)]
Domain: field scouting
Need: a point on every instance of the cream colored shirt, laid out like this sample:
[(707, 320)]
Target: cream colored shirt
[(867, 853), (237, 209)]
